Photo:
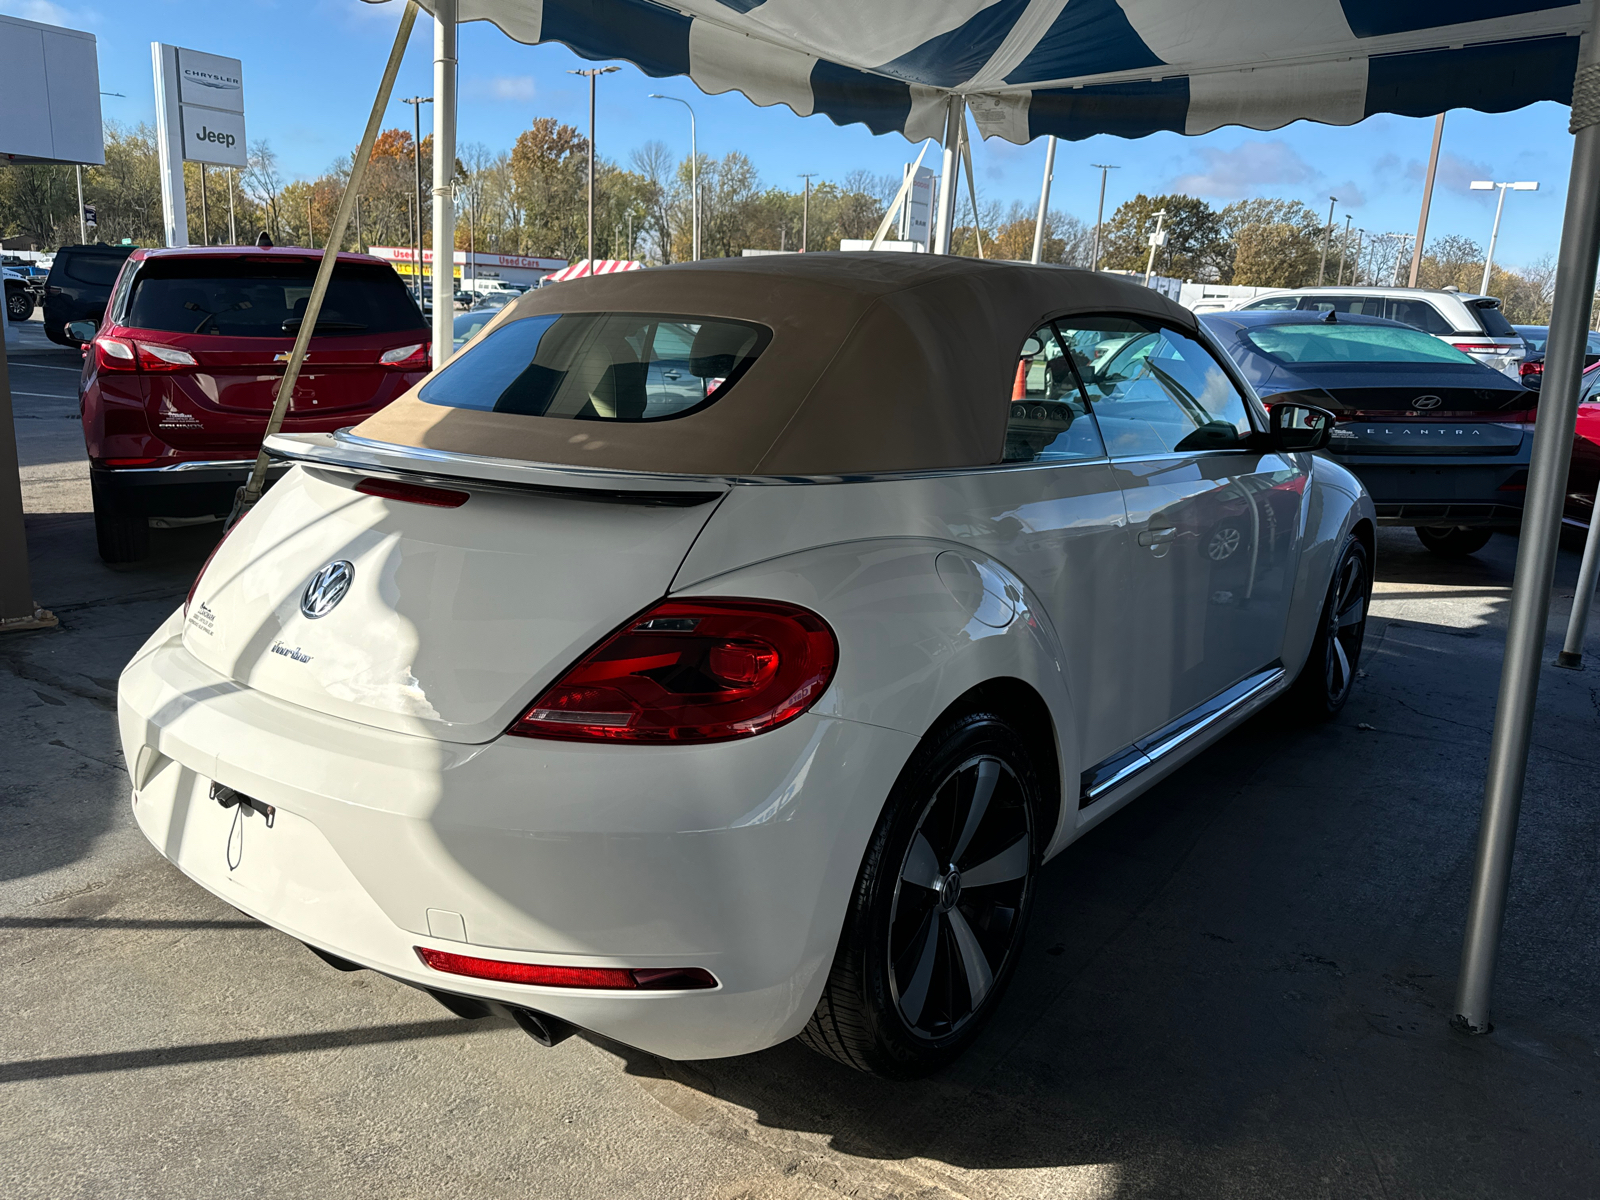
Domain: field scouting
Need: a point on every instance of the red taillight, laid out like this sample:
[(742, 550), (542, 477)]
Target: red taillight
[(691, 671), (129, 462), (413, 493), (655, 979), (200, 574), (1536, 367), (124, 354), (114, 354), (407, 358), (1480, 348)]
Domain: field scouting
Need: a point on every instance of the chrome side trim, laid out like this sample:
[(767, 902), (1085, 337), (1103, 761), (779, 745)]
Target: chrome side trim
[(1111, 773), (216, 464)]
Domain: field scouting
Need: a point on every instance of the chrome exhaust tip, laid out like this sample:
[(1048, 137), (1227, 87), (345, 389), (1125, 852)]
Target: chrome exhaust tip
[(542, 1027)]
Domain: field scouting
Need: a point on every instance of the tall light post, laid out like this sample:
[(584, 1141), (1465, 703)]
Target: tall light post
[(1355, 267), (805, 212), (1484, 185), (593, 73), (416, 103), (694, 176), (1327, 237), (1100, 214), (1344, 247)]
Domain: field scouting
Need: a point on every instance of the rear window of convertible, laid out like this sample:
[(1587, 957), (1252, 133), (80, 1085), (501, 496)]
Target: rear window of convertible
[(611, 366)]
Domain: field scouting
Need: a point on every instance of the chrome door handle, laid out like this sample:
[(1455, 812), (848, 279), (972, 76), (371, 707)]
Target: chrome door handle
[(1158, 537)]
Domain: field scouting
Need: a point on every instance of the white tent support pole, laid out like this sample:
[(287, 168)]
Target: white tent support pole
[(972, 187), (948, 181), (899, 199), (1427, 201), (1571, 655), (17, 608), (1044, 197), (251, 491), (444, 161), (1536, 549)]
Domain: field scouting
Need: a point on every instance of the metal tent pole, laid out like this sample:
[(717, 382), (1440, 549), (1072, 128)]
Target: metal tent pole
[(251, 491), (1571, 655), (1044, 197), (17, 608), (1536, 550), (1494, 236), (444, 162), (1427, 200), (948, 182)]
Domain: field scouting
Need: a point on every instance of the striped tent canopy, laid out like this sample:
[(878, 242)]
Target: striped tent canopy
[(1075, 68), (592, 266)]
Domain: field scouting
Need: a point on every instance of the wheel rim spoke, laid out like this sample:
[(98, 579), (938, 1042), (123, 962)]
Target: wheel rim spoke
[(1010, 863), (1344, 664), (915, 996), (988, 775), (922, 865), (1353, 615), (973, 959)]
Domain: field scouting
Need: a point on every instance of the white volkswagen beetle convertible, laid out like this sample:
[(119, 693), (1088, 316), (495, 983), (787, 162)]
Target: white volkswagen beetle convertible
[(713, 655)]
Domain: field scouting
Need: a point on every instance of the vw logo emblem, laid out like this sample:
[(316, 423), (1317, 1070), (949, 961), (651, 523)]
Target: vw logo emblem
[(1426, 402), (326, 589)]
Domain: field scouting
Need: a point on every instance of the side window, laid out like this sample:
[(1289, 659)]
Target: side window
[(1274, 304), (1153, 390), (1419, 314), (1049, 422)]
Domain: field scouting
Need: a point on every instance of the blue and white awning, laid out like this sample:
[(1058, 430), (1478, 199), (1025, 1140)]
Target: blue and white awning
[(1075, 68)]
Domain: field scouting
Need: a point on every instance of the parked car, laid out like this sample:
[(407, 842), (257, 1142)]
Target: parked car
[(34, 275), (710, 718), (19, 296), (78, 287), (1441, 441), (1472, 324), (1534, 337), (180, 378), (469, 323)]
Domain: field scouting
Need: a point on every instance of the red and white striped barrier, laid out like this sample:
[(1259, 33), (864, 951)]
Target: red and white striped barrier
[(596, 266)]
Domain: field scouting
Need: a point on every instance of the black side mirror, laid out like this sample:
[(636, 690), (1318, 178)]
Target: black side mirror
[(1300, 428), (79, 332)]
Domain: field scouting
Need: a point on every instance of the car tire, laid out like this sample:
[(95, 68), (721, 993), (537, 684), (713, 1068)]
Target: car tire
[(925, 954), (19, 305), (1329, 674), (1453, 541), (121, 537)]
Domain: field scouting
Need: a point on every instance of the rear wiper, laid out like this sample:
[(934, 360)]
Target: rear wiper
[(292, 325)]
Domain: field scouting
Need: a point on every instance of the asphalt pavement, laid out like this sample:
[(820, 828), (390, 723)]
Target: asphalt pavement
[(1238, 987)]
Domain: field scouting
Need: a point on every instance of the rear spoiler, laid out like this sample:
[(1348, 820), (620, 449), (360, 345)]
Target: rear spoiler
[(345, 451)]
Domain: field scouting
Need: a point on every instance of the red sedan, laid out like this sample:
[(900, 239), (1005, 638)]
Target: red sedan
[(180, 378)]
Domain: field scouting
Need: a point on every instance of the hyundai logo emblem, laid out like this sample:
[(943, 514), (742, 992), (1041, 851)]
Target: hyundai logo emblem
[(1426, 402), (326, 589)]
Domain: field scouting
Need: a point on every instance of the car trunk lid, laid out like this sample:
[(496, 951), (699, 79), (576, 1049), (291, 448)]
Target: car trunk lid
[(454, 618)]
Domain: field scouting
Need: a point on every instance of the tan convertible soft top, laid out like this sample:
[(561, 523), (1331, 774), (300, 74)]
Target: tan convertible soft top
[(878, 362)]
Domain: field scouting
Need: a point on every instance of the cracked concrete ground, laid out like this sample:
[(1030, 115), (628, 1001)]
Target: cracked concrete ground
[(1236, 988)]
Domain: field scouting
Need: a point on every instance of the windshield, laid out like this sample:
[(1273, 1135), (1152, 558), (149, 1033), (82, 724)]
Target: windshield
[(266, 297), (468, 324), (1319, 343), (600, 366)]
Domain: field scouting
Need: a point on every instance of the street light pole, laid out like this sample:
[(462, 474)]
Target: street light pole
[(805, 212), (416, 103), (83, 219), (592, 73), (1483, 185), (1327, 237), (1344, 248), (1156, 242), (1100, 214), (694, 177)]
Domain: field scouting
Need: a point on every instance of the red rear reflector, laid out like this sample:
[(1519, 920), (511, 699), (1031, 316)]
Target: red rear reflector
[(129, 462), (669, 979), (691, 671), (413, 493)]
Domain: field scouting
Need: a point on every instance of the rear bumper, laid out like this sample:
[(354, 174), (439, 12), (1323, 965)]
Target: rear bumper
[(738, 857), (1442, 490), (184, 489)]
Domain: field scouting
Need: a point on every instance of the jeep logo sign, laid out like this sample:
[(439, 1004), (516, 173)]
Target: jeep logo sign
[(212, 136)]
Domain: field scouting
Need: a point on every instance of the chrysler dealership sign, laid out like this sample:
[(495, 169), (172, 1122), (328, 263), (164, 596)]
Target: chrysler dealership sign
[(199, 119)]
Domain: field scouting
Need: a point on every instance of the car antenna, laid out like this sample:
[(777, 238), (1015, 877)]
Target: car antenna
[(1331, 319)]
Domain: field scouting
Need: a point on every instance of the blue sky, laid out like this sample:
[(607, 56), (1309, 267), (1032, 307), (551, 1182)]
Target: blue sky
[(310, 69)]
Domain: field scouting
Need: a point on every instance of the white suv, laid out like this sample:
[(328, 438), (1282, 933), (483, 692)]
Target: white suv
[(1473, 324)]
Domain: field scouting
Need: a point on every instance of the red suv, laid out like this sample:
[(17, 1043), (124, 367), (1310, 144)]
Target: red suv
[(180, 378)]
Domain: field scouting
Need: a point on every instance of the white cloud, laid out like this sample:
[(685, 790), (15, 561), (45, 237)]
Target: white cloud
[(1455, 173), (44, 12), (1244, 170), (506, 89)]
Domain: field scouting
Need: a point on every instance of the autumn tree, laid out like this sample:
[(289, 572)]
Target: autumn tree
[(1195, 247)]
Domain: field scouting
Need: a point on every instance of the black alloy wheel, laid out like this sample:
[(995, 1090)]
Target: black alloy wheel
[(19, 305), (1453, 541), (1329, 674), (939, 908)]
